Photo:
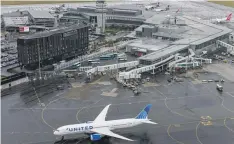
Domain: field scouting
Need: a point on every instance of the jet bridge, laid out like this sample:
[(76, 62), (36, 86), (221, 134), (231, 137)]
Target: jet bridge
[(136, 72), (180, 59), (230, 48), (112, 67), (187, 64), (203, 60)]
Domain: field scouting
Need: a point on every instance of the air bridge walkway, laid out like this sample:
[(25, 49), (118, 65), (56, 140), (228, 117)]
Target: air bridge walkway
[(180, 58), (81, 69), (194, 63), (136, 72), (230, 48), (112, 67)]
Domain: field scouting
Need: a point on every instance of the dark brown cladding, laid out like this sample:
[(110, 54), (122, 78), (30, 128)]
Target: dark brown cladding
[(56, 44)]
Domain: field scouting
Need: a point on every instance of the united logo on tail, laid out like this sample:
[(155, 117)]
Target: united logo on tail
[(144, 113)]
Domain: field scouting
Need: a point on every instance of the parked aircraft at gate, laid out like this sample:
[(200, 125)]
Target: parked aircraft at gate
[(100, 127), (222, 20)]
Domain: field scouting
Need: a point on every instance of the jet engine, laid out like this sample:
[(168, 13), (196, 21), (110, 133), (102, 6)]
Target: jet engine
[(95, 137)]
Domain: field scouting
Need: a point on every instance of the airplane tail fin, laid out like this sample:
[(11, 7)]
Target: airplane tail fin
[(229, 17), (144, 113)]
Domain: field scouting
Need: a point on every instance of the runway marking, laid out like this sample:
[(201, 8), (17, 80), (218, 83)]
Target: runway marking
[(38, 142), (78, 113), (104, 105), (224, 122), (165, 102), (41, 104), (230, 94), (206, 120), (105, 83), (222, 103), (111, 93), (25, 133), (77, 85), (197, 133), (168, 133), (114, 90), (95, 82), (149, 84), (85, 108), (42, 113), (196, 81)]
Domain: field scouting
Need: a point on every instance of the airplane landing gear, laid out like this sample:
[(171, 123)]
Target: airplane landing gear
[(62, 138)]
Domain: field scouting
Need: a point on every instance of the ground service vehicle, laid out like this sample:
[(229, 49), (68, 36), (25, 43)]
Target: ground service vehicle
[(219, 87)]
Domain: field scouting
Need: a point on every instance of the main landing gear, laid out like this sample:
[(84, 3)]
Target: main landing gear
[(62, 138)]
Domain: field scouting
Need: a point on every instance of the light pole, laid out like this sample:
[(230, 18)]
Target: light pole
[(186, 69), (39, 59)]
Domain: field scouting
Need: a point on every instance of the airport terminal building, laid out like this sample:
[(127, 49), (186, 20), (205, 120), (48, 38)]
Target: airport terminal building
[(188, 33), (113, 16), (55, 45)]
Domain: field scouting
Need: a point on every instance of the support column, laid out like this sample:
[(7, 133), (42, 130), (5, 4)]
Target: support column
[(153, 72)]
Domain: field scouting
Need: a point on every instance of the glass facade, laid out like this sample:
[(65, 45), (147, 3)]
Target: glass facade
[(65, 44)]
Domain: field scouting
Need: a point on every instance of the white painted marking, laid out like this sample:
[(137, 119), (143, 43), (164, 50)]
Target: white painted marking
[(113, 90), (230, 94), (105, 105)]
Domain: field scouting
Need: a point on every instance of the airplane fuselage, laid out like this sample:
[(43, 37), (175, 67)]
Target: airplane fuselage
[(87, 127)]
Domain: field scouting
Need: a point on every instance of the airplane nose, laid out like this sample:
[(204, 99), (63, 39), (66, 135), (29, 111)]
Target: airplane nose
[(56, 132)]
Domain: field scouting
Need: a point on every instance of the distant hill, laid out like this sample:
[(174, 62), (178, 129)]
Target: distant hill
[(27, 2), (229, 3)]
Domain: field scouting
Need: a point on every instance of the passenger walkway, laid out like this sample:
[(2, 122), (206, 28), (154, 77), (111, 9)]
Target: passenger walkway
[(81, 69), (203, 60), (136, 72), (230, 48), (112, 67), (180, 59)]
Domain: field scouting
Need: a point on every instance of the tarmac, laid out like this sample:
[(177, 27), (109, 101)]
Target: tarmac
[(186, 112), (189, 112)]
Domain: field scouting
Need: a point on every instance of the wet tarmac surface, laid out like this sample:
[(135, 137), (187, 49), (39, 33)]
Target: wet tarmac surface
[(177, 108)]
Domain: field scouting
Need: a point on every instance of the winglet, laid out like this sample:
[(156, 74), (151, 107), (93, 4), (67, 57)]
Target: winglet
[(102, 116)]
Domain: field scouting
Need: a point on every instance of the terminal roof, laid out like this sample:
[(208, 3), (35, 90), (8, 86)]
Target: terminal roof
[(40, 14), (163, 52), (51, 32), (149, 44)]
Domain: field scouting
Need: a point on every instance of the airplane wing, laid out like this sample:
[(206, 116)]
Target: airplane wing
[(102, 116), (106, 131)]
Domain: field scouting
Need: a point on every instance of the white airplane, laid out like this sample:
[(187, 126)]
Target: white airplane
[(222, 20), (100, 127), (158, 10), (60, 8), (149, 7)]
